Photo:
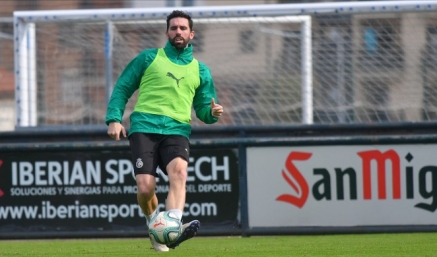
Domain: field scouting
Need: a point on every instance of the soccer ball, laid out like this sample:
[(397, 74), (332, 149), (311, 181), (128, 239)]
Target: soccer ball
[(165, 227)]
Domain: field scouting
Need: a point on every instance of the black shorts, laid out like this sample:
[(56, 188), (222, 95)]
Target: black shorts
[(152, 150)]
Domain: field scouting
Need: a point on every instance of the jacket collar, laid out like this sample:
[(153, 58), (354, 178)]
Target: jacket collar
[(173, 53)]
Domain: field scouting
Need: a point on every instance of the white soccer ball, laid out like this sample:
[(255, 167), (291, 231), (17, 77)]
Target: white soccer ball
[(165, 227)]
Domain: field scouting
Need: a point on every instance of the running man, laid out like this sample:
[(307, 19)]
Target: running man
[(170, 82)]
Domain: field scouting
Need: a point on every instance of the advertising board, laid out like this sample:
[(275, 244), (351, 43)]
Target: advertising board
[(342, 185), (84, 190)]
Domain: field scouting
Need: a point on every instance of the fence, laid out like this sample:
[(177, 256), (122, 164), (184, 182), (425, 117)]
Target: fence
[(371, 62)]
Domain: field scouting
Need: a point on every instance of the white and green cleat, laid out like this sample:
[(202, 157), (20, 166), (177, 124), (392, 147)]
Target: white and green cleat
[(157, 246), (189, 230)]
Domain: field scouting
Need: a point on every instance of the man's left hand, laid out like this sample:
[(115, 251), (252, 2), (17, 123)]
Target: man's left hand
[(216, 109)]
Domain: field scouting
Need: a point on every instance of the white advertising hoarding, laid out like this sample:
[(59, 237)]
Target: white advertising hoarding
[(342, 185)]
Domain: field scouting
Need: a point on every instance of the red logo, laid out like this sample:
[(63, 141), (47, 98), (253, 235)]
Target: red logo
[(159, 223), (323, 190), (301, 188), (381, 158)]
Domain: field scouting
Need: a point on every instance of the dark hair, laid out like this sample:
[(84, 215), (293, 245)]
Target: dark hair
[(179, 14)]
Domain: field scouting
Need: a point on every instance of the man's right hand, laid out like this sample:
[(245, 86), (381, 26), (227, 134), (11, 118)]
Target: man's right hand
[(114, 130)]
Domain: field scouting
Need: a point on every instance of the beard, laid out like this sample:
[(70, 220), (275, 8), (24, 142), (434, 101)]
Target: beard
[(179, 45)]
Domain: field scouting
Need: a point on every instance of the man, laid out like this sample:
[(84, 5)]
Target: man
[(170, 82)]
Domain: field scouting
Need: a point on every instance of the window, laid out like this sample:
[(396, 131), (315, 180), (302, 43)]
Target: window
[(149, 38), (187, 2), (247, 41), (381, 44), (429, 74), (198, 41), (376, 98), (6, 45), (291, 51), (432, 39)]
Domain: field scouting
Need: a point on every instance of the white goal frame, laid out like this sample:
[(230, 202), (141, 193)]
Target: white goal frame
[(25, 46), (25, 55)]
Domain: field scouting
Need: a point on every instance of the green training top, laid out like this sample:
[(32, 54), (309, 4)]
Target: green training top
[(170, 82)]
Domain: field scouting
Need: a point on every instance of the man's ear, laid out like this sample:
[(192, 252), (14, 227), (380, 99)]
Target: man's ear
[(192, 34)]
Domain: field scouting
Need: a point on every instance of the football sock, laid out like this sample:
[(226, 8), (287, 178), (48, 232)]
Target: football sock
[(149, 217), (177, 212)]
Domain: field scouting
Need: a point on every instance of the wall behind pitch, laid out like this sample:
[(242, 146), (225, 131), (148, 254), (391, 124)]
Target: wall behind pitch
[(241, 174)]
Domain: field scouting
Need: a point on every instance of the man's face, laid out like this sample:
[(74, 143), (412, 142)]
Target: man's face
[(179, 33)]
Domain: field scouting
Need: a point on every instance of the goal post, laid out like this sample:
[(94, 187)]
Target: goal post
[(26, 57), (26, 91), (25, 75)]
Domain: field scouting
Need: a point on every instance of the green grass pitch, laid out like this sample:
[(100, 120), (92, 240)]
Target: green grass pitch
[(377, 245)]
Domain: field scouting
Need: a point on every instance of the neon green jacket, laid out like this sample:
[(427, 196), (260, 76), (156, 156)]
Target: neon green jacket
[(143, 122)]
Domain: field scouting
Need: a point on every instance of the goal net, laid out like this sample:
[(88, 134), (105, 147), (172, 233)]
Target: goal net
[(78, 62), (272, 64)]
